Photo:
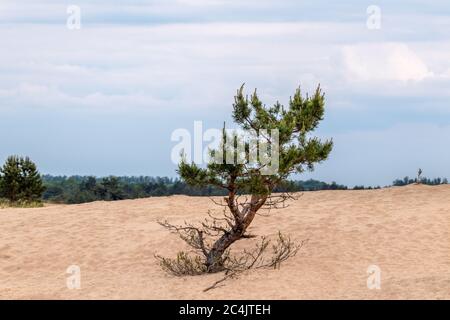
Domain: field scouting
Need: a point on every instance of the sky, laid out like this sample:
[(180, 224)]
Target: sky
[(105, 98)]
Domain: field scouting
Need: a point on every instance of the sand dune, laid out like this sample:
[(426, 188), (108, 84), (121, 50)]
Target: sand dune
[(405, 231)]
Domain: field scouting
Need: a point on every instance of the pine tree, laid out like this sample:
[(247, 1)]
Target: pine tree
[(20, 180), (11, 179), (248, 188), (110, 189), (31, 188)]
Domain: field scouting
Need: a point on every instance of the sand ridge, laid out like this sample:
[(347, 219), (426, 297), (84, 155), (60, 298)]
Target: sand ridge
[(403, 230)]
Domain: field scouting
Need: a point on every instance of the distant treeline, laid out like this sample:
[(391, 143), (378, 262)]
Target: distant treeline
[(431, 182), (80, 189), (22, 185)]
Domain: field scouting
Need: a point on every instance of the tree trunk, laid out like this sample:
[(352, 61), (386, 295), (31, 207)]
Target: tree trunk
[(214, 259)]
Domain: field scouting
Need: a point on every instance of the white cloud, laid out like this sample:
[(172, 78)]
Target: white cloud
[(194, 66), (384, 61)]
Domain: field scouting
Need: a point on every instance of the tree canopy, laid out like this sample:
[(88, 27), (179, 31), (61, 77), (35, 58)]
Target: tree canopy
[(20, 180)]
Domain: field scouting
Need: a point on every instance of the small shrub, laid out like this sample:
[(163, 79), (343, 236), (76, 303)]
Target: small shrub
[(183, 265), (5, 203), (190, 265)]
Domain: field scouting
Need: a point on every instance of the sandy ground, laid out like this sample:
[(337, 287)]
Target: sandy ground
[(404, 231)]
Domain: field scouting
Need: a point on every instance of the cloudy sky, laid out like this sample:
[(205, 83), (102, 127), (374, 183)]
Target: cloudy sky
[(104, 99)]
